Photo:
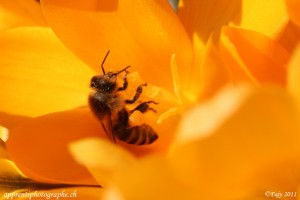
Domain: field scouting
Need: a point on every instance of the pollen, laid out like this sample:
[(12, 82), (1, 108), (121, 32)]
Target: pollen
[(136, 118)]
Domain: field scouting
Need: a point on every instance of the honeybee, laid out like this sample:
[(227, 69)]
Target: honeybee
[(108, 106)]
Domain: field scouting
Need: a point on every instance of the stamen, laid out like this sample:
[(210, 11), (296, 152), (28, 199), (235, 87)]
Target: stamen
[(175, 110), (169, 113), (175, 76)]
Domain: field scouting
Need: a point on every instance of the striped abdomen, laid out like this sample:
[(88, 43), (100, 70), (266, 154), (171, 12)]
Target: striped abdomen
[(138, 135)]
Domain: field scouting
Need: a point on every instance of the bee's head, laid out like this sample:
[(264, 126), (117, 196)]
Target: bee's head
[(104, 83), (107, 82)]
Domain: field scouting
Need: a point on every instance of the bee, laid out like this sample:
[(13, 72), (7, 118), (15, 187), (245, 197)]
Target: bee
[(108, 105)]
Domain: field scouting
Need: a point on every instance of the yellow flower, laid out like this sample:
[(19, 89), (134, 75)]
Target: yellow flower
[(20, 13), (221, 71)]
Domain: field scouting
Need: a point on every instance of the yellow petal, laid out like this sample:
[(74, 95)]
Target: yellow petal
[(252, 56), (214, 74), (148, 179), (220, 106), (143, 35), (267, 17), (44, 140), (294, 75), (206, 17), (101, 158), (38, 74), (289, 36), (203, 19), (241, 155), (10, 177), (3, 151), (20, 13), (293, 7)]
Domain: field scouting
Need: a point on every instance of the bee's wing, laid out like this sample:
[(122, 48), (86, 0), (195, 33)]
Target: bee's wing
[(106, 123)]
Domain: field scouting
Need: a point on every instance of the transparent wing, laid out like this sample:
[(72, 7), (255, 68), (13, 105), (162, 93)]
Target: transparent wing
[(106, 123)]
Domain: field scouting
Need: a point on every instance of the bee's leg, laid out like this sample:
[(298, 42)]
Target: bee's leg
[(144, 107), (139, 91), (125, 83)]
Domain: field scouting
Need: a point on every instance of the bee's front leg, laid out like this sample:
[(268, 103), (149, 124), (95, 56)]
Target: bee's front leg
[(125, 82), (144, 107)]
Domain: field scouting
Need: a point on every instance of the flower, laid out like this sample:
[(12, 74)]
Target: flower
[(20, 13), (226, 84)]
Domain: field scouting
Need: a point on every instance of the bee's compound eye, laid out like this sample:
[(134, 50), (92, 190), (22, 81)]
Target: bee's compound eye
[(103, 83), (94, 82)]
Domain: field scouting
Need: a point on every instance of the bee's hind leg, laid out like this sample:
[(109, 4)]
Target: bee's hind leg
[(144, 107), (139, 91)]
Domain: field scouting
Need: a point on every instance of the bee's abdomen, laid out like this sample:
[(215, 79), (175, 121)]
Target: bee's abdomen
[(138, 135)]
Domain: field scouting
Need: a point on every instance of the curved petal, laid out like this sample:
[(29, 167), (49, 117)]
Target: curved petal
[(220, 106), (214, 74), (101, 158), (294, 75), (203, 20), (293, 7), (289, 36), (20, 13), (9, 121), (3, 151), (149, 179), (267, 17), (143, 35), (44, 141), (252, 56), (206, 17), (257, 140), (38, 74)]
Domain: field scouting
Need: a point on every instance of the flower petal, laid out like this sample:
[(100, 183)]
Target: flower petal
[(206, 17), (289, 36), (38, 74), (44, 141), (11, 178), (294, 75), (3, 151), (267, 17), (252, 56), (101, 157), (293, 7), (20, 13), (220, 106), (244, 152), (143, 35), (203, 20), (148, 179), (214, 74)]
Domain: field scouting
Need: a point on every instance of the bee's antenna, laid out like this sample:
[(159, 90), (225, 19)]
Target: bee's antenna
[(104, 61), (121, 70)]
